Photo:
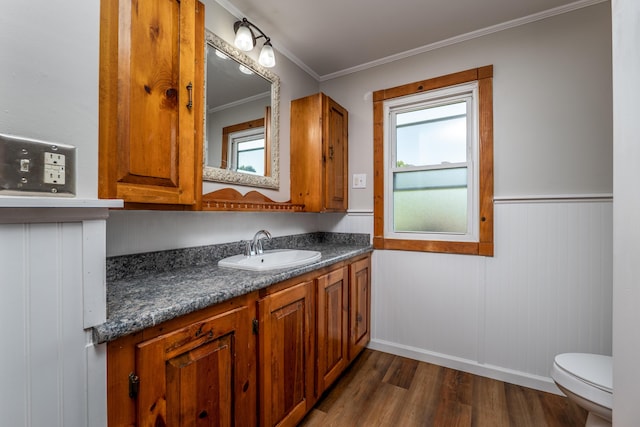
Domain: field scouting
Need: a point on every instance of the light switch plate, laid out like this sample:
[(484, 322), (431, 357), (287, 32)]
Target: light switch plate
[(32, 167), (359, 180)]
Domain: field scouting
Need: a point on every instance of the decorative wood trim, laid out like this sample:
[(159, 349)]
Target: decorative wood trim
[(228, 199), (465, 248), (485, 93), (426, 85), (378, 173), (484, 76)]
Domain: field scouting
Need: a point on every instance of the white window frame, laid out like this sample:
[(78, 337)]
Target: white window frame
[(243, 136), (434, 98)]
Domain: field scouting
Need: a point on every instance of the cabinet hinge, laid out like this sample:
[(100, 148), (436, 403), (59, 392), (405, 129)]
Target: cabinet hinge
[(255, 326), (134, 385)]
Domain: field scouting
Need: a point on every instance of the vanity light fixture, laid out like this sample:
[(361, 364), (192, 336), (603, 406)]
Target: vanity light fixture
[(246, 40)]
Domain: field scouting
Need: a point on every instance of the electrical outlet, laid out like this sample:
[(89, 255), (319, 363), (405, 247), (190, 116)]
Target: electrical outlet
[(31, 167), (55, 159), (54, 168), (359, 180)]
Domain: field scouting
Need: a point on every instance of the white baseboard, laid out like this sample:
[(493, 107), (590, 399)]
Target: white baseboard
[(536, 382)]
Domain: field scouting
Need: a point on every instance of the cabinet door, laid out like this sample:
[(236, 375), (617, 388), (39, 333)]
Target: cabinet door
[(286, 358), (319, 151), (359, 306), (151, 78), (336, 155), (201, 375), (332, 326)]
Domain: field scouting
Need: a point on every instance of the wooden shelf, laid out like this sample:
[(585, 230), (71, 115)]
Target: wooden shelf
[(229, 199)]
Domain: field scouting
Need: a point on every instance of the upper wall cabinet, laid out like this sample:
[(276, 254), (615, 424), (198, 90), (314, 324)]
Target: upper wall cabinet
[(151, 101), (319, 150)]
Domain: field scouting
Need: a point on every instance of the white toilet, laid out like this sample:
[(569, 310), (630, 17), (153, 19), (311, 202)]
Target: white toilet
[(587, 380)]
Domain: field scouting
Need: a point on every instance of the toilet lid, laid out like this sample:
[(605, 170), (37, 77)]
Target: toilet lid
[(594, 369)]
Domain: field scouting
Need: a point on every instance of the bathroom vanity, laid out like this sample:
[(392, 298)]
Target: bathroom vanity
[(248, 348)]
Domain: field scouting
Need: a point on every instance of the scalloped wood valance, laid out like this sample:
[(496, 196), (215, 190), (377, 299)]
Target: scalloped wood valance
[(229, 199)]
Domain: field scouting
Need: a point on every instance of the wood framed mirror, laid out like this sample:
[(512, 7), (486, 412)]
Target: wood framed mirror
[(241, 142)]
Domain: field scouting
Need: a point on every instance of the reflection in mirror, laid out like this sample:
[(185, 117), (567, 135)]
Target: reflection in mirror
[(242, 106)]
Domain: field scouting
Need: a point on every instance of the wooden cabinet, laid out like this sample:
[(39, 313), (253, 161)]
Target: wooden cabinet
[(332, 331), (319, 154), (286, 355), (200, 371), (151, 101), (359, 305), (310, 330), (230, 365)]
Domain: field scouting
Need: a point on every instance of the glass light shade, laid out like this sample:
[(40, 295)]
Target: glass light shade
[(244, 38), (245, 70), (221, 55), (267, 58)]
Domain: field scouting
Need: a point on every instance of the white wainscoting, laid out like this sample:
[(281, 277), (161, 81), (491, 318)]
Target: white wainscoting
[(547, 290), (51, 289)]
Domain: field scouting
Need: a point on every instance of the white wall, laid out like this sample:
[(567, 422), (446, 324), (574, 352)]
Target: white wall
[(128, 231), (552, 103), (626, 211), (49, 77), (548, 288)]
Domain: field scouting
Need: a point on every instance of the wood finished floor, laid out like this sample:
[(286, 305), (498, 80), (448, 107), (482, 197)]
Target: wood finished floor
[(381, 389)]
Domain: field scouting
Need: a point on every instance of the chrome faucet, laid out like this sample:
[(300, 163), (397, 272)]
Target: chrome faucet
[(255, 246)]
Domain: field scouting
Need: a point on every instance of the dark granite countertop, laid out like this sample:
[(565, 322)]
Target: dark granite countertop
[(164, 285)]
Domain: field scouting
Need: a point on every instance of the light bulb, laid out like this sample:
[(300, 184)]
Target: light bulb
[(267, 58), (244, 38), (221, 55), (245, 69)]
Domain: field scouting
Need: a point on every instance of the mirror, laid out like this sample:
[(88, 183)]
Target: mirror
[(241, 118)]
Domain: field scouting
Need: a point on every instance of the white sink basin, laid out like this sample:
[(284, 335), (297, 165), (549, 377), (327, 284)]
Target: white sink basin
[(271, 260)]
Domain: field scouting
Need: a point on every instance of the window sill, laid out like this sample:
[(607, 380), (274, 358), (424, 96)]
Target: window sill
[(461, 248)]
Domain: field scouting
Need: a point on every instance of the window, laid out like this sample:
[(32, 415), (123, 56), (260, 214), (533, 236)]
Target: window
[(247, 151), (434, 165), (245, 147)]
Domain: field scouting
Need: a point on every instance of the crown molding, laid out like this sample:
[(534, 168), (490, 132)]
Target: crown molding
[(433, 46), (465, 37)]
